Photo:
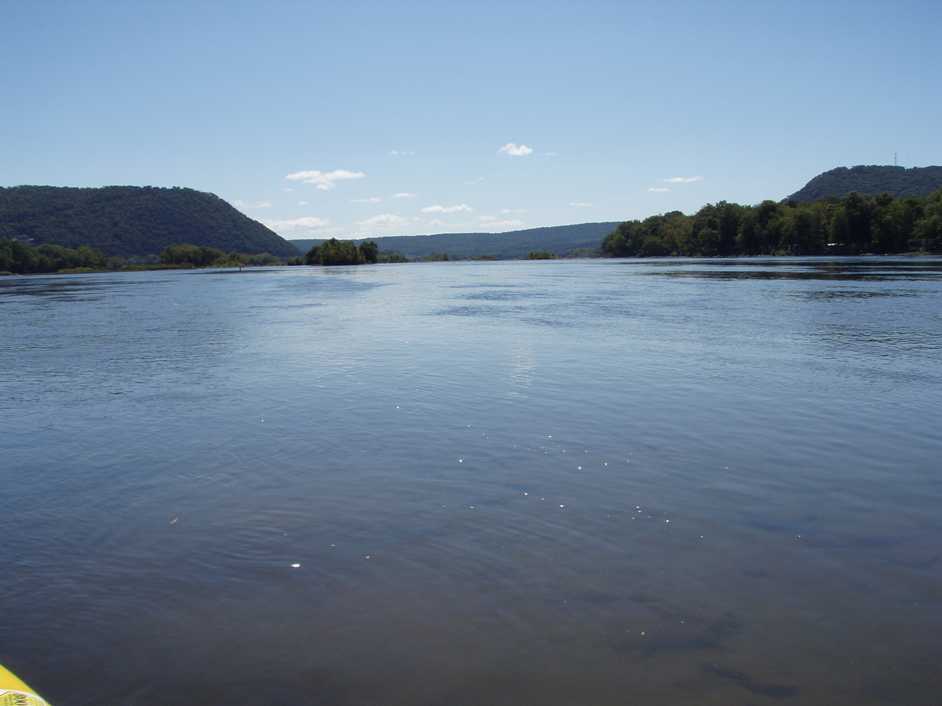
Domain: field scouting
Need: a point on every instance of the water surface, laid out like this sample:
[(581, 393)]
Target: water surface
[(661, 482)]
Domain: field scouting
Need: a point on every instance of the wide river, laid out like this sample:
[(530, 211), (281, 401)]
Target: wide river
[(568, 483)]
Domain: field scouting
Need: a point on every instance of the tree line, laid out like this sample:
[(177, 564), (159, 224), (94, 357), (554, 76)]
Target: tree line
[(20, 258), (342, 252), (17, 257), (851, 225), (188, 255)]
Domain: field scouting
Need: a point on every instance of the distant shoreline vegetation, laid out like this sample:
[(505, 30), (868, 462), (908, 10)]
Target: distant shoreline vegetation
[(853, 225), (22, 259)]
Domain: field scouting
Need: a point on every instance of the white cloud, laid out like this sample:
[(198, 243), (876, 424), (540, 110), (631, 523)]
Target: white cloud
[(457, 208), (239, 203), (369, 199), (324, 180), (580, 204), (509, 211), (384, 220), (682, 179), (477, 180), (404, 195), (298, 226), (514, 150), (659, 189), (302, 203), (401, 153)]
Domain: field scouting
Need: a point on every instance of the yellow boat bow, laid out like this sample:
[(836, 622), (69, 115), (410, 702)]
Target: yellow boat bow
[(15, 692)]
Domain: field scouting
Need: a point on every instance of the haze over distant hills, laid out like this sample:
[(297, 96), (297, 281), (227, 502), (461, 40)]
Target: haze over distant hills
[(871, 180), (560, 240), (131, 220)]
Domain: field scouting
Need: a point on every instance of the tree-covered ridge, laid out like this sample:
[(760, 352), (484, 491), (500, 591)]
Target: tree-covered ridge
[(131, 221), (871, 180), (559, 240), (852, 225)]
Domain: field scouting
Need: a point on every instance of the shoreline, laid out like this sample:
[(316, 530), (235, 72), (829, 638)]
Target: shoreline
[(659, 258)]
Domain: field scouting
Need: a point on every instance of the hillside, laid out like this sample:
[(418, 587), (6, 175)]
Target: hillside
[(871, 181), (131, 220), (514, 244)]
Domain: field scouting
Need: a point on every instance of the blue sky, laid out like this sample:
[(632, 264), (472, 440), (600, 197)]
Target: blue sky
[(358, 118)]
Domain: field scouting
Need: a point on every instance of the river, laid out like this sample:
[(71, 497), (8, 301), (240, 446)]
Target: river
[(598, 482)]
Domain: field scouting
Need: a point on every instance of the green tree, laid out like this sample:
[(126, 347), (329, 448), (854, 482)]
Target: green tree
[(369, 251), (335, 252), (853, 224), (927, 234)]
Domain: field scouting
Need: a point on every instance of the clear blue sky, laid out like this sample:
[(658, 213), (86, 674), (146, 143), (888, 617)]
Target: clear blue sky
[(600, 103)]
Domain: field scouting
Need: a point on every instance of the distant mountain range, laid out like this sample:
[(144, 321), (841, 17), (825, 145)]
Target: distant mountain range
[(871, 181), (560, 240), (131, 220)]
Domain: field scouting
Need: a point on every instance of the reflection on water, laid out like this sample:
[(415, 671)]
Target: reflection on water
[(861, 268), (606, 482), (58, 288)]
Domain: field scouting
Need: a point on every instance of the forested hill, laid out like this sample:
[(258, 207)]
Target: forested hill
[(853, 225), (870, 181), (560, 240), (131, 220)]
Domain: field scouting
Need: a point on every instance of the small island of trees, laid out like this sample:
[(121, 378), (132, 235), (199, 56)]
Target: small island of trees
[(342, 252)]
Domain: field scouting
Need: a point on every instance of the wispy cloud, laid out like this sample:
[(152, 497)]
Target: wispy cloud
[(368, 199), (298, 226), (239, 203), (580, 204), (512, 149), (550, 154), (324, 180), (510, 211), (404, 195), (474, 181), (659, 189), (302, 203), (401, 153), (457, 208), (384, 220), (682, 179), (493, 223)]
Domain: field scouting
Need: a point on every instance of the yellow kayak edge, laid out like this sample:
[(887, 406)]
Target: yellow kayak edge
[(15, 692)]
